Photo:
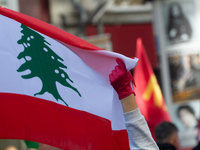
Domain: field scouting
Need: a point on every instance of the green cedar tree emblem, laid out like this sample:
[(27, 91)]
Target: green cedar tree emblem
[(43, 63)]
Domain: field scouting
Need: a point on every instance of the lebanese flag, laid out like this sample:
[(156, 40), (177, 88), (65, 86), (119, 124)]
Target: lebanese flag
[(55, 89), (148, 93)]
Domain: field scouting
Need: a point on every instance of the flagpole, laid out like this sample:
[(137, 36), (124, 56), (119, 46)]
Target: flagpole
[(164, 65)]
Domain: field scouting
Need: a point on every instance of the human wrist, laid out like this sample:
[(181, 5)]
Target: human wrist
[(129, 103)]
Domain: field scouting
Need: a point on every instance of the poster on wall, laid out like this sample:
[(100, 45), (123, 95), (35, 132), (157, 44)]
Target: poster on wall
[(179, 22), (185, 76), (186, 115), (182, 49)]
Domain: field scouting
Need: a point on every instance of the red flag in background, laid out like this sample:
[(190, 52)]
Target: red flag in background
[(148, 94)]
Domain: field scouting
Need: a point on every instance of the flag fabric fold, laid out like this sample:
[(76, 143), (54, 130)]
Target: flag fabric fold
[(55, 89), (148, 93)]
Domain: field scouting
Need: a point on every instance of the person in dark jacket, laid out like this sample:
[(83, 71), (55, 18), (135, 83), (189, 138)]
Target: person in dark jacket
[(197, 147), (167, 136)]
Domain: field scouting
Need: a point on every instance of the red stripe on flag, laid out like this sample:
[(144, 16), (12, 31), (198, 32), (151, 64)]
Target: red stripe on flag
[(42, 121), (48, 29)]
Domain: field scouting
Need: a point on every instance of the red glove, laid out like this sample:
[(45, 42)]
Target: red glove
[(120, 80)]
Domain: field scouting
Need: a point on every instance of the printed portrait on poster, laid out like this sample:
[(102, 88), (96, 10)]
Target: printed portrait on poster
[(179, 21), (185, 76), (186, 117)]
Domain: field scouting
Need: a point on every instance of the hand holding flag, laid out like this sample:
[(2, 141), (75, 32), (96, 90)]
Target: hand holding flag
[(120, 80), (135, 123)]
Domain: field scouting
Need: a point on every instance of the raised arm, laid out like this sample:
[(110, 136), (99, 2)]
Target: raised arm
[(121, 81), (137, 128)]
